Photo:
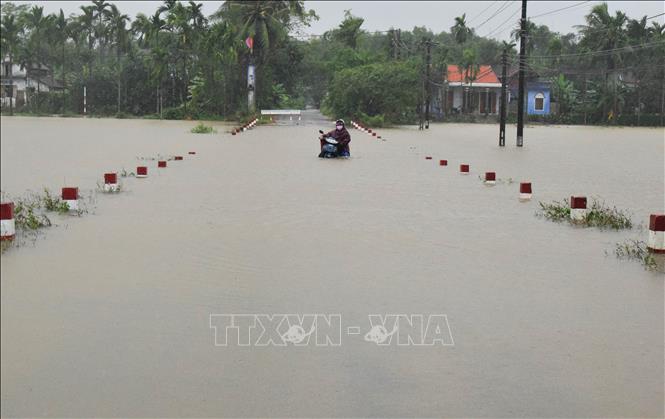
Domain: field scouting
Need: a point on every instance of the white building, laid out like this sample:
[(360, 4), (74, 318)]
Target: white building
[(25, 81)]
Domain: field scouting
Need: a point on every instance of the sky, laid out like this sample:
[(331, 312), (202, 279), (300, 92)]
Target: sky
[(438, 16)]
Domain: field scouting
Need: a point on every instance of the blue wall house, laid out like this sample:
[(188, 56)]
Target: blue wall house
[(538, 98), (537, 89)]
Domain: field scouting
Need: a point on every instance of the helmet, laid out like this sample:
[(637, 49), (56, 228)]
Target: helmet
[(339, 121)]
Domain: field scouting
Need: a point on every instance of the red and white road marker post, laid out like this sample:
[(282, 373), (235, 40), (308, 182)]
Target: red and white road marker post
[(111, 182), (7, 224), (578, 209), (161, 163), (656, 242), (525, 191), (142, 171), (71, 196), (464, 169), (443, 162), (490, 178)]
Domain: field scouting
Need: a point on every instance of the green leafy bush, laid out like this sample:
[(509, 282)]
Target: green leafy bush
[(599, 215), (202, 129), (380, 89)]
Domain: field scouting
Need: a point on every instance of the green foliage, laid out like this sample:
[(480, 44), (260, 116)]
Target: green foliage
[(27, 216), (599, 215), (376, 121), (53, 203), (637, 250), (375, 89), (555, 211), (202, 129), (179, 64)]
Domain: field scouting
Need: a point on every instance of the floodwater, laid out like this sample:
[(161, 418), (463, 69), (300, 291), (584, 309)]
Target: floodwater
[(109, 314)]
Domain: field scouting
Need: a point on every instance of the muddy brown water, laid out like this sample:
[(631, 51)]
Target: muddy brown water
[(108, 314)]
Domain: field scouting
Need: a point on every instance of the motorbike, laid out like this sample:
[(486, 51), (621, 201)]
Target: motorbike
[(329, 149)]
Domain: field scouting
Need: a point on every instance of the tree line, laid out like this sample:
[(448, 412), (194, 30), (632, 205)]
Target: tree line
[(178, 63)]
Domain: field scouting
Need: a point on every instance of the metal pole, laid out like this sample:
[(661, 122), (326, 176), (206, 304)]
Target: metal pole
[(502, 122), (520, 97), (428, 45), (85, 100)]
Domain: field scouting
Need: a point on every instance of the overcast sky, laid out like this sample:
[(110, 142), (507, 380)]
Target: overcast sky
[(435, 15)]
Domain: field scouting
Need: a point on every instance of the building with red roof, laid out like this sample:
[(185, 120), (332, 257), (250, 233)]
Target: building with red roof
[(476, 90)]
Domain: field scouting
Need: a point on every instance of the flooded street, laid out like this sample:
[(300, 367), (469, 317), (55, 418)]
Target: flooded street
[(109, 314)]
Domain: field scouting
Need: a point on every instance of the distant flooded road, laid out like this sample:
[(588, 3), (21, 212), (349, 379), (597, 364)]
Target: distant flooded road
[(108, 315)]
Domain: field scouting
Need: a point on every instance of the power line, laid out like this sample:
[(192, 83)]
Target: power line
[(503, 23), (481, 13), (602, 52), (649, 18), (499, 10), (558, 10)]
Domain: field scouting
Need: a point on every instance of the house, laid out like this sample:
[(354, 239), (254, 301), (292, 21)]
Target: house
[(538, 92), (25, 80), (480, 88)]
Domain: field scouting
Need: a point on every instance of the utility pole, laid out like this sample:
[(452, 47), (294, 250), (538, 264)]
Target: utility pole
[(428, 46), (504, 83), (251, 85), (520, 97)]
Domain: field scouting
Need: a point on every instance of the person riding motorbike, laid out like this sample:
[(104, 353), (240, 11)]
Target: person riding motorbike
[(342, 136)]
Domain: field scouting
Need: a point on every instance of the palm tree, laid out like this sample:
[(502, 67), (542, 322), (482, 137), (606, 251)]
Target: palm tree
[(9, 37), (468, 68), (604, 32), (101, 9), (461, 32), (61, 33), (263, 21), (34, 53), (120, 35)]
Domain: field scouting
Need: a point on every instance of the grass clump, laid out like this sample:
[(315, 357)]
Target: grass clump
[(201, 128), (31, 215), (603, 216), (556, 211), (27, 215), (53, 203), (637, 250), (599, 215)]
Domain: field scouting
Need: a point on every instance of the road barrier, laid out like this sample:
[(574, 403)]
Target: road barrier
[(578, 209), (525, 191), (71, 196), (7, 224), (656, 242), (111, 182)]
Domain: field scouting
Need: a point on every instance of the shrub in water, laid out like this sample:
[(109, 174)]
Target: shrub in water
[(202, 129), (637, 250), (599, 215)]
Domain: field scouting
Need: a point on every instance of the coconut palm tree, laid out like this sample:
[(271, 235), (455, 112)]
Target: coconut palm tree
[(461, 32), (604, 32), (101, 9), (9, 38), (120, 36), (34, 53), (61, 28)]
